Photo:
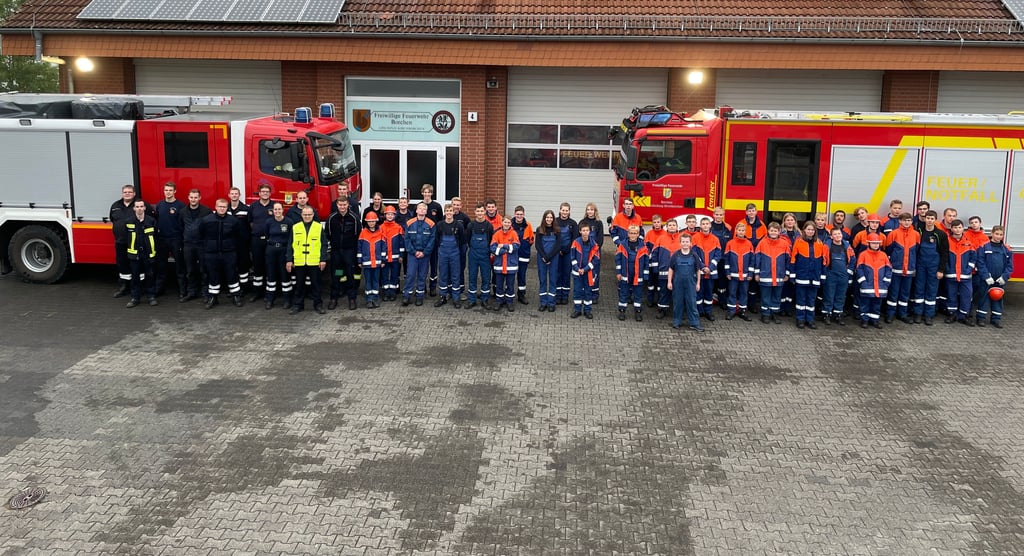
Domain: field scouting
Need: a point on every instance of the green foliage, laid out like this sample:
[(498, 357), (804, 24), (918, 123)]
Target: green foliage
[(23, 73)]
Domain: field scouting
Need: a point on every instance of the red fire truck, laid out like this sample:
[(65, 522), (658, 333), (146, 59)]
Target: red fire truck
[(66, 157), (807, 162)]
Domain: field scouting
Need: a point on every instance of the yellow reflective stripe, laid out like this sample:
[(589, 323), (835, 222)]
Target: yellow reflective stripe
[(789, 206), (741, 204), (131, 242), (1008, 143)]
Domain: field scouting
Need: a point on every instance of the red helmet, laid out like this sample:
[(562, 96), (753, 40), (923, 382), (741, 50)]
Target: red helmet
[(874, 238), (995, 293), (371, 216)]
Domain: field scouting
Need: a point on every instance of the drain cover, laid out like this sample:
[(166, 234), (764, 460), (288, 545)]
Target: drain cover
[(28, 497)]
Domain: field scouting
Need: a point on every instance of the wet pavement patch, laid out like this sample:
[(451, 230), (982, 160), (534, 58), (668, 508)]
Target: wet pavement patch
[(489, 403), (430, 488), (213, 396)]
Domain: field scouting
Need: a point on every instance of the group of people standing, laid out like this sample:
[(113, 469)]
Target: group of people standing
[(821, 268)]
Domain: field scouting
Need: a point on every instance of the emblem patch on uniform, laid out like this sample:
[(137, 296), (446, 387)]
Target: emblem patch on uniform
[(443, 121), (361, 119), (284, 227)]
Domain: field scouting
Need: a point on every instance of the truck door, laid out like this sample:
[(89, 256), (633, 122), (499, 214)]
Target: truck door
[(191, 154), (671, 169), (791, 179)]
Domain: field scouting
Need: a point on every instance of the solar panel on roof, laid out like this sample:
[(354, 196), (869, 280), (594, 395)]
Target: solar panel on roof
[(137, 9), (235, 11), (322, 11), (211, 10), (1016, 8), (101, 9), (176, 10), (285, 11), (247, 10)]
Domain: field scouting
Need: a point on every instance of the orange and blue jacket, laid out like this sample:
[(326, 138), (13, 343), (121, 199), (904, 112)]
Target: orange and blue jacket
[(505, 248), (738, 259), (632, 263), (661, 254), (756, 230), (860, 241), (525, 233), (394, 238), (619, 228), (585, 258), (963, 257), (372, 248), (808, 261), (710, 250), (771, 261), (902, 245), (873, 273)]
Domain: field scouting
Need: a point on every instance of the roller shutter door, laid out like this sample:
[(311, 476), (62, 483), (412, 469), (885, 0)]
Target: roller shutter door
[(568, 96), (859, 91), (975, 92), (255, 86)]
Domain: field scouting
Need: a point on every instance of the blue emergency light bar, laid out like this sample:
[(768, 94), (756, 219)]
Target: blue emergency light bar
[(327, 110), (304, 115)]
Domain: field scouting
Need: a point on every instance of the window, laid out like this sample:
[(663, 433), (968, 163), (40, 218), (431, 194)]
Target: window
[(533, 158), (583, 158), (186, 149), (584, 135), (744, 161), (335, 164), (276, 162), (533, 133), (661, 158), (451, 172), (578, 146)]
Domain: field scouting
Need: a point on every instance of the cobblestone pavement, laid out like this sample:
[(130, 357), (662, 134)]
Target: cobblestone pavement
[(175, 430)]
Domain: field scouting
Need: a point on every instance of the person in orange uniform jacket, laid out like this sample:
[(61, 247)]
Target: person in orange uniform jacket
[(771, 265), (738, 262), (807, 268), (525, 233), (710, 250), (619, 228), (977, 236), (505, 248), (873, 274), (657, 280), (963, 257), (586, 257), (394, 238), (372, 249), (632, 265), (901, 245)]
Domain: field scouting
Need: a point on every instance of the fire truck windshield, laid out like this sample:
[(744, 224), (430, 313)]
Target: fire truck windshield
[(335, 159)]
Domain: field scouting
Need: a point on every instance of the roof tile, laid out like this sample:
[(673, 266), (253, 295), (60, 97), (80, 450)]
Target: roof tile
[(972, 20)]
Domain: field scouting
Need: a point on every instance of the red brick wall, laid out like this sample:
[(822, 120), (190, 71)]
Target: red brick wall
[(684, 97), (110, 75), (910, 91)]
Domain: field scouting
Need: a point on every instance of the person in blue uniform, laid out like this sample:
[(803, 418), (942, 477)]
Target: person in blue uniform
[(260, 213), (169, 239), (451, 237), (568, 230), (995, 265), (278, 233), (478, 258), (435, 214), (632, 267), (546, 241), (683, 280), (343, 228), (419, 244), (220, 234), (586, 256), (140, 231)]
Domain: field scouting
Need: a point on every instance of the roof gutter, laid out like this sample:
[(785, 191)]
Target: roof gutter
[(958, 41)]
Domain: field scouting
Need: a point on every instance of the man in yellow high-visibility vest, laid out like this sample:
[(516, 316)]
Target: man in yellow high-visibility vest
[(307, 257)]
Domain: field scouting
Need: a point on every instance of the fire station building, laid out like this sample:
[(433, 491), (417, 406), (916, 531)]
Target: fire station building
[(512, 100)]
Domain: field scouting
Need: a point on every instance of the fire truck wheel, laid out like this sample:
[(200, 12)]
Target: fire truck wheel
[(39, 254)]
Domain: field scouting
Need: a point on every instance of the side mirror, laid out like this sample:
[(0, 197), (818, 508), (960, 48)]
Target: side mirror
[(634, 187)]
